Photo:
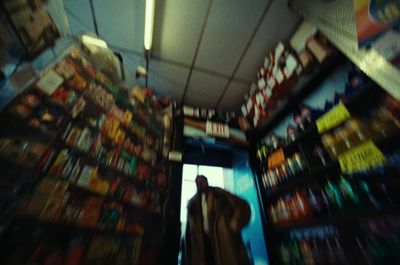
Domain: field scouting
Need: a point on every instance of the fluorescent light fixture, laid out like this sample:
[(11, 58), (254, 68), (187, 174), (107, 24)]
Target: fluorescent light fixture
[(148, 24), (94, 41)]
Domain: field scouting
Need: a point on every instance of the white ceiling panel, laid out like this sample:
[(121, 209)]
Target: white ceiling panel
[(79, 16), (125, 27), (177, 28), (131, 62), (278, 25), (204, 90), (229, 27), (167, 80), (233, 97)]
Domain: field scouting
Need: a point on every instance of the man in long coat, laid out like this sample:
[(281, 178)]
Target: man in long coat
[(213, 232)]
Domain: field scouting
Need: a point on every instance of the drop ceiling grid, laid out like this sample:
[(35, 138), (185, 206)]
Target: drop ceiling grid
[(125, 26), (168, 80), (278, 25), (233, 99), (131, 62), (230, 24), (79, 16), (204, 90), (177, 28)]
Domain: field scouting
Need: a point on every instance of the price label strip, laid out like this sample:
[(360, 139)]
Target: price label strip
[(362, 157), (333, 118)]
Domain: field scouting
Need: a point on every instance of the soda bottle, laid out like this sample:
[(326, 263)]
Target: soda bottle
[(306, 253), (366, 190), (299, 163), (350, 197), (294, 209), (334, 195), (315, 202), (291, 166), (303, 206), (340, 255), (285, 254), (325, 202), (273, 214), (297, 258)]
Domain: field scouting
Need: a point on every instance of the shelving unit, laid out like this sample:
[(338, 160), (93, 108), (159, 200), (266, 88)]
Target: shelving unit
[(280, 200), (125, 183), (340, 219)]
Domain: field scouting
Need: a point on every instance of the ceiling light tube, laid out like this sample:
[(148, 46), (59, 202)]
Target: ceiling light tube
[(94, 41), (148, 24)]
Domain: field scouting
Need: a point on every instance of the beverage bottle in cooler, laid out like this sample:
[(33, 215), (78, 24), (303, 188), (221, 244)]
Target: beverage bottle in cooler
[(340, 256), (290, 164), (284, 172), (320, 255), (365, 255), (259, 154), (334, 195), (297, 258), (303, 205), (299, 163), (273, 213), (351, 199), (307, 252), (326, 204), (383, 190), (285, 254), (274, 177), (283, 211), (294, 210), (366, 191), (315, 201)]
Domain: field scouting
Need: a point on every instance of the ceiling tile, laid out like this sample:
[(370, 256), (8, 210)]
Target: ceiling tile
[(204, 90), (79, 16), (177, 28), (131, 62), (233, 97), (124, 27), (167, 80), (228, 29), (278, 25)]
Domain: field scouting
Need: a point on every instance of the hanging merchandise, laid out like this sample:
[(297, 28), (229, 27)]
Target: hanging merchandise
[(278, 78)]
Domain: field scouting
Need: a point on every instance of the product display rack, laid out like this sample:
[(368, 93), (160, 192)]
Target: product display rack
[(349, 221), (90, 153)]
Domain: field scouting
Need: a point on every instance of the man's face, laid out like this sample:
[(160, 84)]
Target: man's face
[(202, 183)]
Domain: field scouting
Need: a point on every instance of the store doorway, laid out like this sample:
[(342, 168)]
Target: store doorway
[(217, 177), (237, 180)]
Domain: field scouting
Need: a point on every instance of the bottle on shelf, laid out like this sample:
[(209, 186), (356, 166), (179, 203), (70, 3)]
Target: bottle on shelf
[(281, 173), (313, 246)]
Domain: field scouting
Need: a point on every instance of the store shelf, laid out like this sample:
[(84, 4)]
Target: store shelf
[(355, 104), (112, 198), (28, 220), (339, 219), (386, 145), (142, 213), (307, 83), (304, 177)]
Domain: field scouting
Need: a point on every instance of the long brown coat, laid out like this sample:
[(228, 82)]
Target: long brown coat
[(227, 215)]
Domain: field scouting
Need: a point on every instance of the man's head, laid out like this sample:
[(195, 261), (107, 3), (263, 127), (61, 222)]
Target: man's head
[(201, 183)]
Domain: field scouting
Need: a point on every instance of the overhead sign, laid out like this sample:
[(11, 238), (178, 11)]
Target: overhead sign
[(217, 129), (175, 156)]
